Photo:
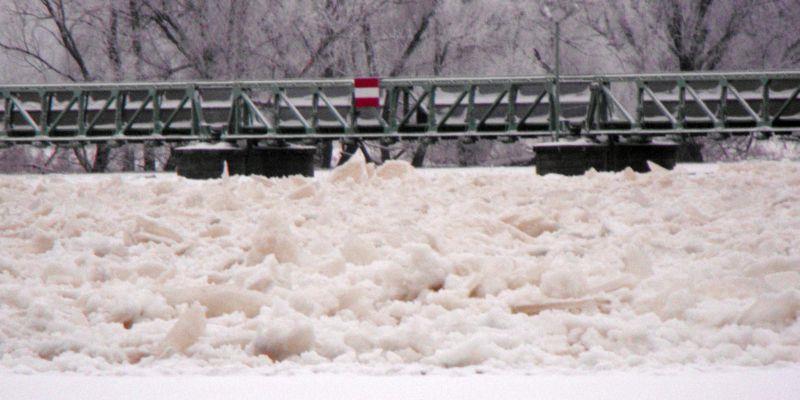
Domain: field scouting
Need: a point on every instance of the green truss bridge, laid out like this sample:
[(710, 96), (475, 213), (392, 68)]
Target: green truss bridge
[(639, 106)]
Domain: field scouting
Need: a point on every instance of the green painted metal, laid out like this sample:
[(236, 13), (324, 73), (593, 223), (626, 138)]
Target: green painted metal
[(506, 108)]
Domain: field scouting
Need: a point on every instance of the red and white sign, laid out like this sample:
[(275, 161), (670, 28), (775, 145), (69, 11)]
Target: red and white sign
[(367, 92)]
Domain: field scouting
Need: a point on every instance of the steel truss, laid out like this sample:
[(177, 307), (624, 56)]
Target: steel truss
[(507, 108)]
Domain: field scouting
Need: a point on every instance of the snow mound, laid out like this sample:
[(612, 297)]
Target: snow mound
[(189, 327), (282, 339), (392, 267), (394, 169), (355, 170), (219, 299)]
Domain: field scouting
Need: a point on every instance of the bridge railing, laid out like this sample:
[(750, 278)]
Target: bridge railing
[(466, 108)]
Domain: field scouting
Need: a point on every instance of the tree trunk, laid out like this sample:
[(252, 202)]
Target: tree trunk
[(102, 156), (386, 154), (171, 162), (149, 158), (419, 154), (325, 150), (129, 158)]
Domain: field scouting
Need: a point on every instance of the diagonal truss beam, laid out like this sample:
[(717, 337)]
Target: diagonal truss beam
[(532, 108), (27, 117), (702, 104), (743, 102), (332, 109), (248, 102), (786, 105), (135, 115), (490, 111), (174, 113), (452, 109), (660, 105), (414, 108), (60, 116), (297, 114), (617, 104)]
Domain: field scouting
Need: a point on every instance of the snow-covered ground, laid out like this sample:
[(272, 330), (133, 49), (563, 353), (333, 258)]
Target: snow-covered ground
[(760, 384), (488, 273)]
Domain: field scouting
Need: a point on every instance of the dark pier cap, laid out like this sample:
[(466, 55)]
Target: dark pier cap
[(575, 158), (207, 161)]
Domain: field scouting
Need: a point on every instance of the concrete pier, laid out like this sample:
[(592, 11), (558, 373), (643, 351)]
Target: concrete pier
[(202, 162), (274, 161), (570, 158), (208, 162)]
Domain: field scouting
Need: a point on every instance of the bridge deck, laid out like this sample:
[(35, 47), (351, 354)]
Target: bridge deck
[(625, 105)]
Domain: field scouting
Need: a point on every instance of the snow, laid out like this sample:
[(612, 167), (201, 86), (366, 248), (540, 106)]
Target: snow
[(777, 384), (208, 146), (391, 270)]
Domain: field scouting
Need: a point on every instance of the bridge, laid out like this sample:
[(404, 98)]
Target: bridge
[(644, 106), (614, 108)]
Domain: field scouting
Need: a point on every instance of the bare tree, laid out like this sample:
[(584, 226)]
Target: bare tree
[(66, 25), (688, 35)]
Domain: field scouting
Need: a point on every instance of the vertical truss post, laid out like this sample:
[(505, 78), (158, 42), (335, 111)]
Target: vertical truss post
[(119, 111), (639, 104), (276, 109), (681, 103), (197, 121), (352, 115), (245, 115), (248, 119), (406, 101), (8, 108), (604, 105), (594, 104), (83, 104), (432, 109), (391, 120), (156, 100), (472, 124), (511, 110), (235, 120), (389, 114), (555, 110), (307, 128), (315, 110), (45, 107), (765, 117), (722, 112)]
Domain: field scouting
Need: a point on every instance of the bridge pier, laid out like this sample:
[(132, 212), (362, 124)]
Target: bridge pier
[(202, 161), (208, 161), (274, 161), (567, 158)]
